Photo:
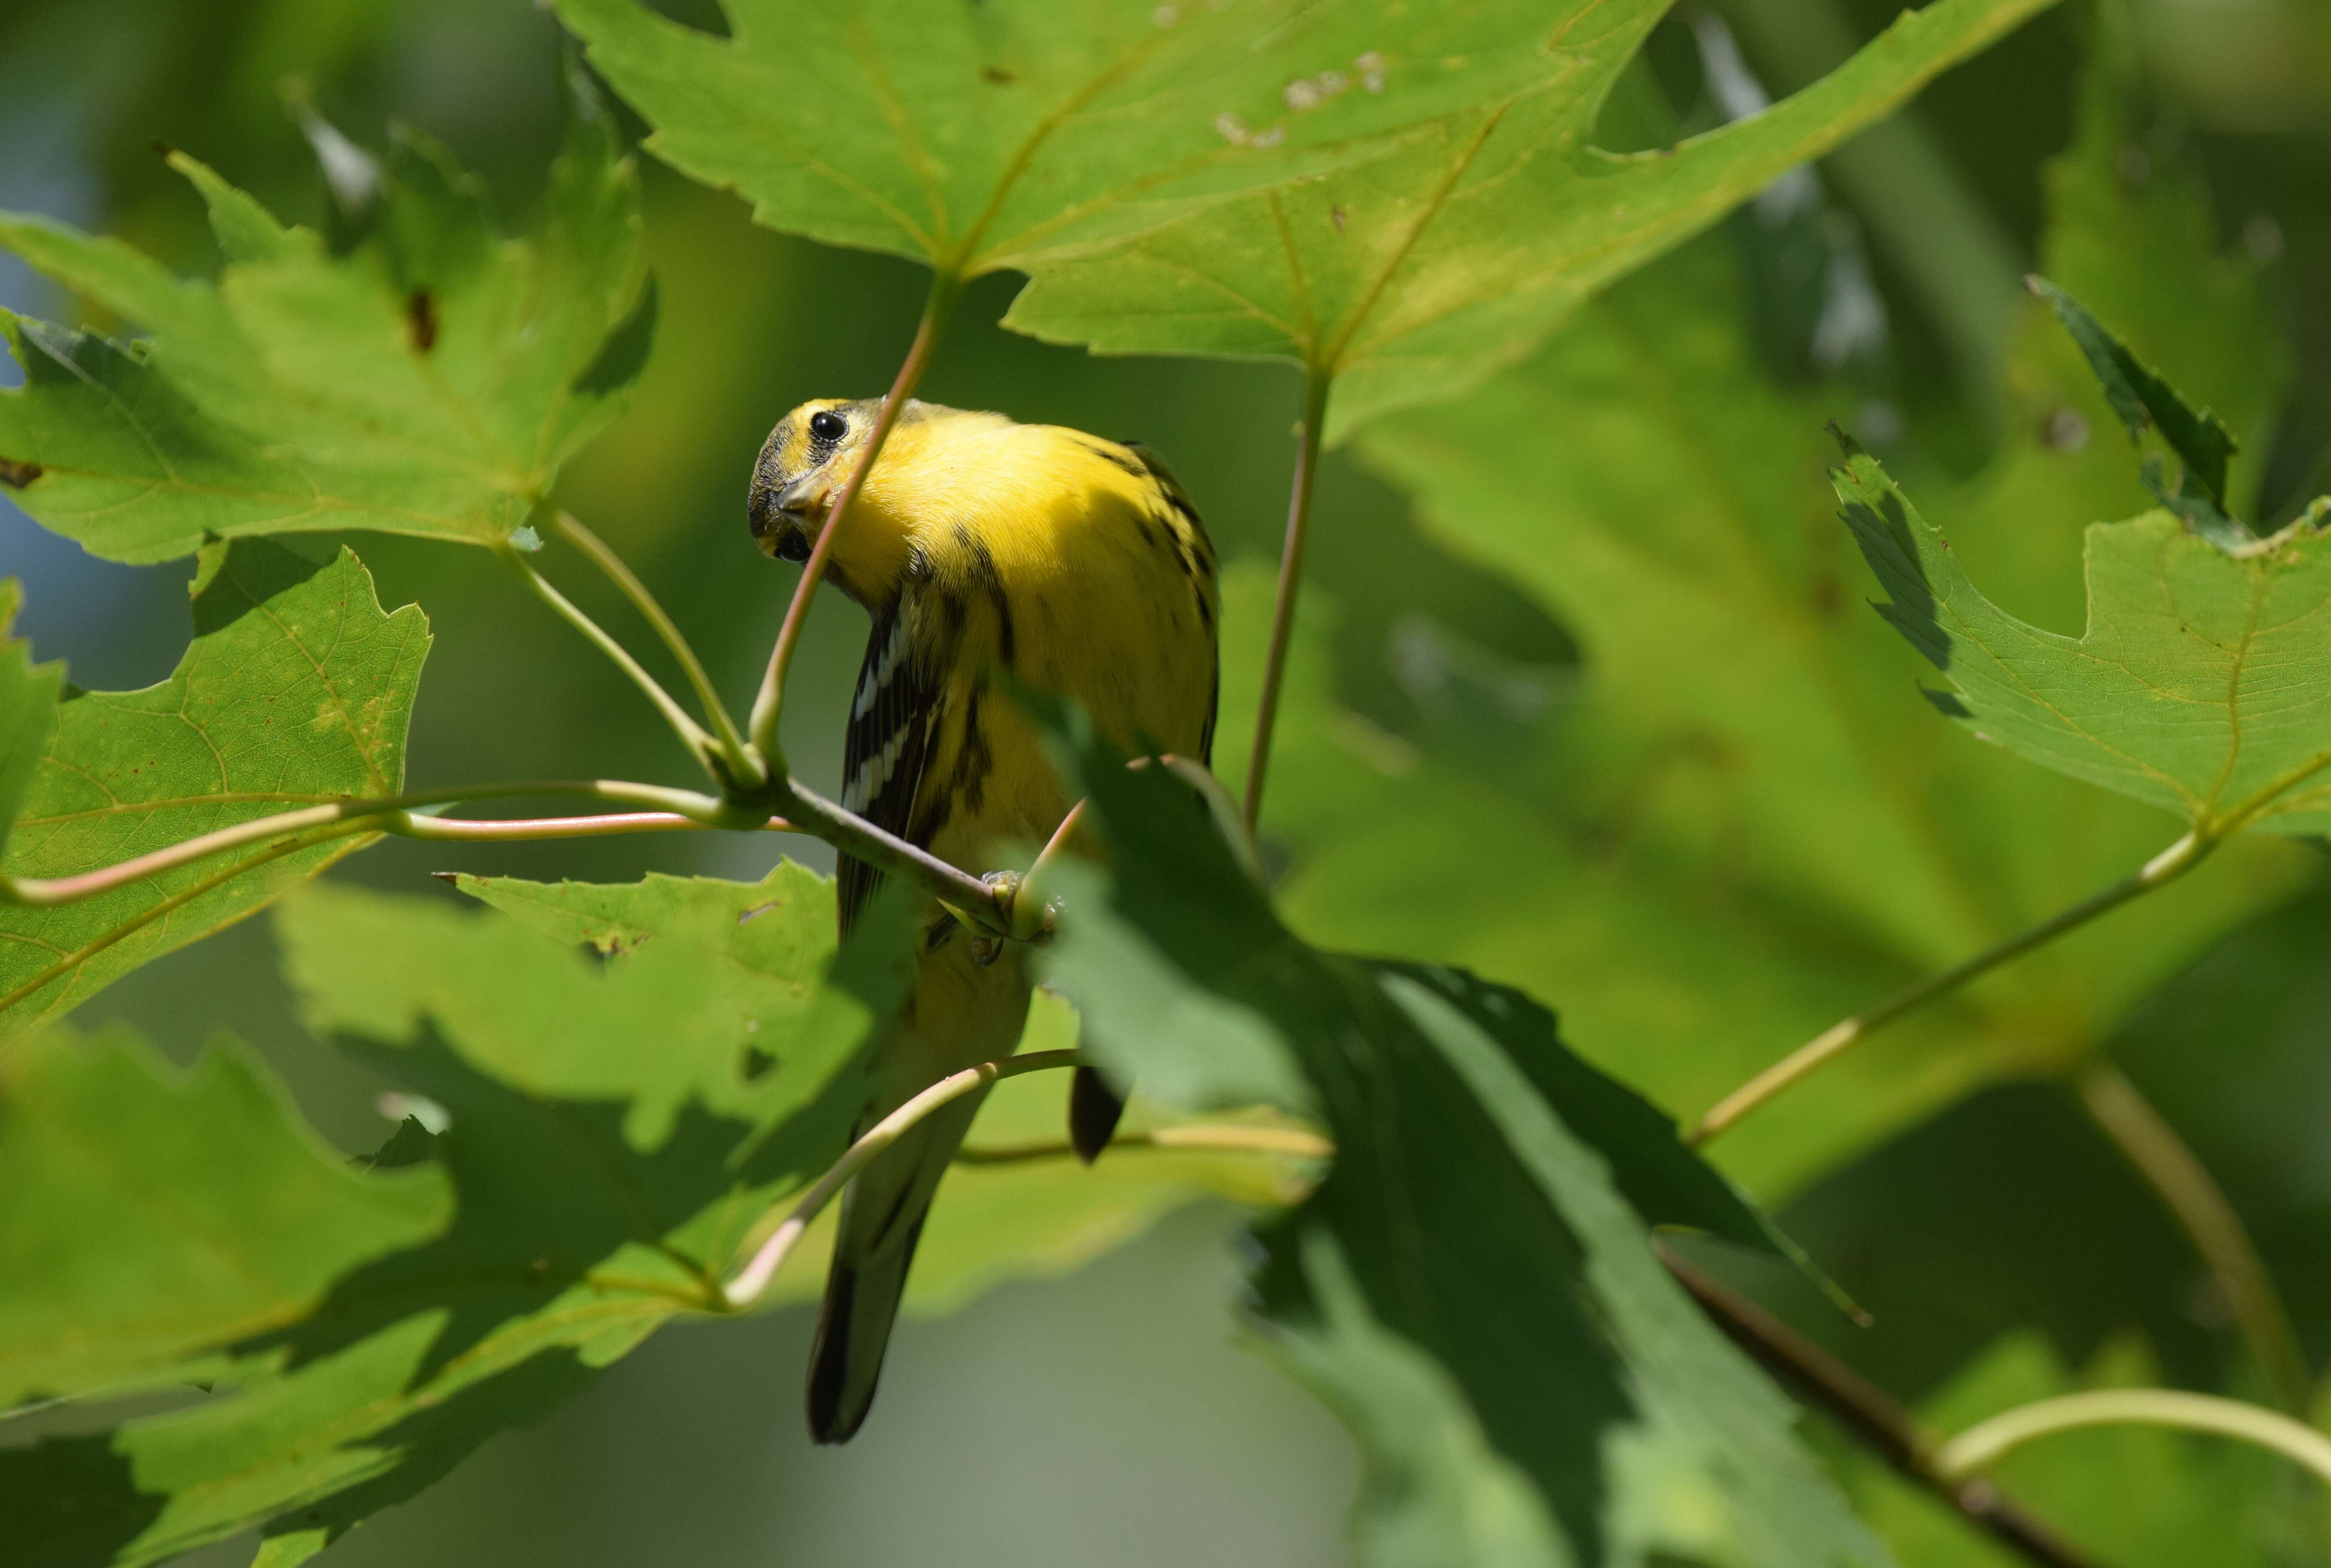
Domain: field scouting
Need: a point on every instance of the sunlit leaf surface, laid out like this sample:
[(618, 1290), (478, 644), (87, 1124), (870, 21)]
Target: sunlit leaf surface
[(296, 690), (431, 380), (1413, 276)]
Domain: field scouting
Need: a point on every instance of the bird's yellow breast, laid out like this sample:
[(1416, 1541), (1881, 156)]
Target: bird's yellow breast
[(1074, 563)]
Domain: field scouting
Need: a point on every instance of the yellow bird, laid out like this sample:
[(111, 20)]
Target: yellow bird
[(979, 546)]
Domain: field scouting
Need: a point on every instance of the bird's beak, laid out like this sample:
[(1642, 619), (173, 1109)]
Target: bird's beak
[(784, 521)]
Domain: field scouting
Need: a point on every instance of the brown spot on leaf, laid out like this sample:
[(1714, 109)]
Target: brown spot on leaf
[(998, 75), (16, 475), (1336, 216), (420, 320), (1829, 595)]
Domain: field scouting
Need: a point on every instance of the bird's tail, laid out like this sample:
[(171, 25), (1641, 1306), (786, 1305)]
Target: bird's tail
[(882, 1219)]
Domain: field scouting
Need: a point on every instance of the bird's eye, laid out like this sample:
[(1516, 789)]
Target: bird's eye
[(828, 426)]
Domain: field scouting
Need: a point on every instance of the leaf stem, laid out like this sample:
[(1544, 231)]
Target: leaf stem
[(745, 765), (701, 745), (1316, 383), (374, 815), (525, 830), (750, 1281), (2184, 1185), (1983, 1445), (1866, 1412), (768, 702), (1834, 1041)]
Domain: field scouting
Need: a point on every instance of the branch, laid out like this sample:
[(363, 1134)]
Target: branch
[(746, 767), (753, 1278), (767, 703), (986, 904), (1984, 1444), (2183, 1183), (1866, 1412), (1316, 383), (390, 814), (2171, 863), (700, 745)]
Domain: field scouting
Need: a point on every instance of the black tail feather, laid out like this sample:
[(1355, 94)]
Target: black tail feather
[(853, 1334), (1094, 1111)]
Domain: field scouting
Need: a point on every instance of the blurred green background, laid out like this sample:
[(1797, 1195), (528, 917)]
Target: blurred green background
[(1111, 1417)]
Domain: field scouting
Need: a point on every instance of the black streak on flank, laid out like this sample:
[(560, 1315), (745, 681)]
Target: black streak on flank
[(16, 475), (1118, 460), (420, 320), (973, 759)]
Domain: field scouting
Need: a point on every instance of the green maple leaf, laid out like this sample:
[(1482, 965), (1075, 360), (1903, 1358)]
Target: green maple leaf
[(296, 690), (159, 1215), (1009, 133), (1413, 277), (431, 381), (616, 1134), (1020, 1203), (1740, 825), (612, 1139), (1472, 1287), (2201, 684)]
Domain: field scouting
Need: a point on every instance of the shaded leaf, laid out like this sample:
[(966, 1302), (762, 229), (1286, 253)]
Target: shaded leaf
[(1413, 277), (608, 1150), (1737, 823), (1009, 133), (296, 690), (28, 712), (2143, 399), (1468, 1228), (2202, 685), (157, 1215), (430, 382)]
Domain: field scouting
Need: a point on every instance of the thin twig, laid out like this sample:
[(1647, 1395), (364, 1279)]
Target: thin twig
[(1868, 1413), (747, 767), (750, 1281), (1834, 1041), (767, 703), (1031, 916), (1316, 381), (693, 735), (1984, 1444), (2184, 1185), (36, 892)]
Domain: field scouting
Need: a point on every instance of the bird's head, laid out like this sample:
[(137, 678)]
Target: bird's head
[(803, 463)]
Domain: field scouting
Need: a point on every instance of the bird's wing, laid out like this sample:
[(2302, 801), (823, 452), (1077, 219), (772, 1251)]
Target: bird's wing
[(894, 722)]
